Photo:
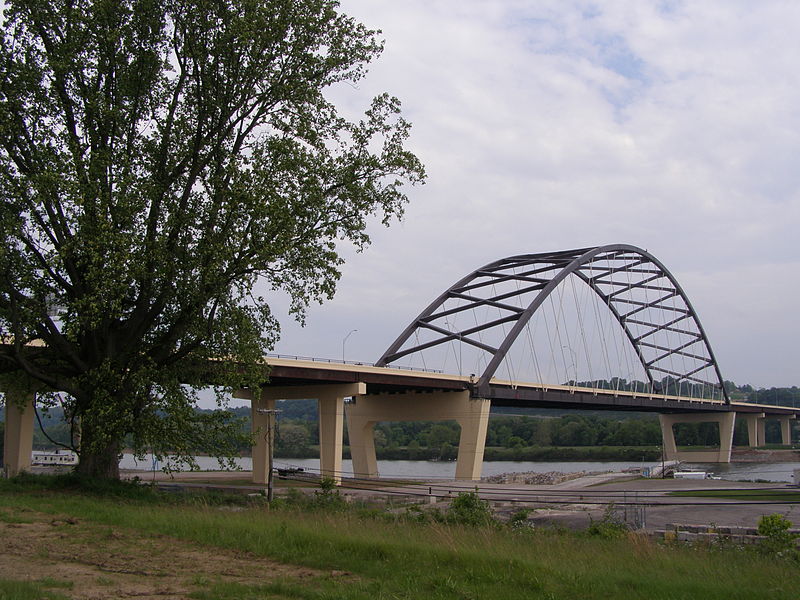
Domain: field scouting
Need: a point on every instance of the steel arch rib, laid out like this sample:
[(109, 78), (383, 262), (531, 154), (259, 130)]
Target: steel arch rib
[(572, 261)]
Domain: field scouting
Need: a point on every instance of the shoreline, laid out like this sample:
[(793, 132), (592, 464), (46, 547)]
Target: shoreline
[(753, 455), (556, 454)]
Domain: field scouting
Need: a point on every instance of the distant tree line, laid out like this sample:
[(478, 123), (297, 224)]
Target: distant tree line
[(783, 396), (522, 438)]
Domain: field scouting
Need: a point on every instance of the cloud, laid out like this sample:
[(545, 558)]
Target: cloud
[(550, 125)]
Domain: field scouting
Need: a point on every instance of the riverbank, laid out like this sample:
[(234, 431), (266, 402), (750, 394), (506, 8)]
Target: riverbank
[(753, 455)]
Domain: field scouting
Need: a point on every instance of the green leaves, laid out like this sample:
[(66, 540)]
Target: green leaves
[(158, 162)]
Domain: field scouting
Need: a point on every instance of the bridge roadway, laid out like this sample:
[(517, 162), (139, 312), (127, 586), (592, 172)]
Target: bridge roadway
[(294, 371)]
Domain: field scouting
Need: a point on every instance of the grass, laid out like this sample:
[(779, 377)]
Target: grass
[(377, 558), (32, 590), (7, 516)]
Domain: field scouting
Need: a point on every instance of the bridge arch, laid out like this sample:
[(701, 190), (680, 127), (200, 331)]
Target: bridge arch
[(622, 276)]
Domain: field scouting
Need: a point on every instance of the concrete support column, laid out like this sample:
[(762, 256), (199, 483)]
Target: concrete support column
[(726, 422), (761, 432), (361, 432), (668, 436), (471, 414), (786, 430), (263, 427), (752, 420), (472, 442), (18, 441), (331, 433)]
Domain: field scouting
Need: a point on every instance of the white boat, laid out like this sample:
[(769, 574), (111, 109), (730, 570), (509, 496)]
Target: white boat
[(54, 457), (690, 475)]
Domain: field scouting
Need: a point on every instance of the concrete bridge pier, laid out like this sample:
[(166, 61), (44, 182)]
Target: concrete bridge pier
[(786, 429), (726, 421), (470, 413), (756, 426), (330, 399), (18, 441)]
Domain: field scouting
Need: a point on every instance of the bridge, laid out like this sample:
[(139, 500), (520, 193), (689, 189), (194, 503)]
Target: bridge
[(609, 327)]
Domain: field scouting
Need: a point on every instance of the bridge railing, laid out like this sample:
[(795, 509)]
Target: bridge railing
[(355, 363)]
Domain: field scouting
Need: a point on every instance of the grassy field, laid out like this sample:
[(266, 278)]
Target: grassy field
[(251, 551), (45, 589)]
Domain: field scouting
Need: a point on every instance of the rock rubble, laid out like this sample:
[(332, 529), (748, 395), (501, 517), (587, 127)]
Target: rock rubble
[(533, 478)]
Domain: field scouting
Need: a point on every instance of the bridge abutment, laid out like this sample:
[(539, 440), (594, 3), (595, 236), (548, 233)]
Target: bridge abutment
[(725, 420), (18, 440), (470, 413)]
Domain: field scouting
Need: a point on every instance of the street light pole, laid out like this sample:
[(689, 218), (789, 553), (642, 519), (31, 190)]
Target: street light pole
[(345, 341), (270, 412)]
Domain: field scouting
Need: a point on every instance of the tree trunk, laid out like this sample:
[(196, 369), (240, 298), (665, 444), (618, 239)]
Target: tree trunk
[(98, 464)]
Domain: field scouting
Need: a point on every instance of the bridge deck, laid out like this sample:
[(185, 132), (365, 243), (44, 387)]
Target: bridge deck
[(295, 371)]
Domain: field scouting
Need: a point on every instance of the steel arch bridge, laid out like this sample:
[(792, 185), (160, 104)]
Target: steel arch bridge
[(645, 299)]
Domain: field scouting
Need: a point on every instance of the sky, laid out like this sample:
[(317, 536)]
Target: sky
[(549, 125)]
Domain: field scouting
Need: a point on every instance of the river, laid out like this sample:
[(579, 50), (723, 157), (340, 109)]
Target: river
[(430, 470)]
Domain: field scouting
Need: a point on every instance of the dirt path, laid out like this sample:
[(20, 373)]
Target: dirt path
[(98, 562)]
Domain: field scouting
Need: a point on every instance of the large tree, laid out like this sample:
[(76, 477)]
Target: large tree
[(161, 162)]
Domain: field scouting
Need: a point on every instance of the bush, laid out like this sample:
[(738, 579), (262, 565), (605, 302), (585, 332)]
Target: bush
[(609, 527), (778, 540), (327, 496), (468, 509), (416, 514), (519, 520)]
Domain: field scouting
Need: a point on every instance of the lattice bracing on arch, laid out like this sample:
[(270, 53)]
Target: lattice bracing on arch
[(496, 307)]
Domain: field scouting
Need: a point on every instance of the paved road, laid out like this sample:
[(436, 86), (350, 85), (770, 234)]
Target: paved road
[(575, 503)]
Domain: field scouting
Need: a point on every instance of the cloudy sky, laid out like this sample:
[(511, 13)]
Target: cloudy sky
[(547, 125)]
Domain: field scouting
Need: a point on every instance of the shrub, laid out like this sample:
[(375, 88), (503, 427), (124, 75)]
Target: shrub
[(327, 496), (608, 527), (416, 514), (468, 509), (519, 520), (778, 540)]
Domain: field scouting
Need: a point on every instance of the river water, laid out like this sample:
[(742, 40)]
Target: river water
[(431, 470)]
